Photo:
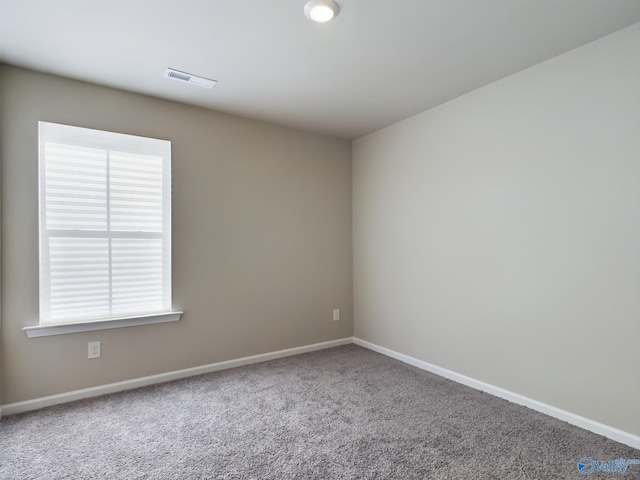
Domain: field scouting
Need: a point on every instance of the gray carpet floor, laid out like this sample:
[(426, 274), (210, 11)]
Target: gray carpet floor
[(341, 413)]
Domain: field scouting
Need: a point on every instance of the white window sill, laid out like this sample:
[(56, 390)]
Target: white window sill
[(64, 328)]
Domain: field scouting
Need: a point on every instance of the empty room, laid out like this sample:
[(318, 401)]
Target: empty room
[(319, 239)]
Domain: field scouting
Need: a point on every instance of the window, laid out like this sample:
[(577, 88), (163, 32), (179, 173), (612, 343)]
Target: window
[(105, 227)]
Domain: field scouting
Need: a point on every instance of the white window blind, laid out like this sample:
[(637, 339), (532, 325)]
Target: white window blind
[(105, 225)]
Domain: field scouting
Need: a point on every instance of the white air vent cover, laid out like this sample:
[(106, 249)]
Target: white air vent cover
[(187, 77)]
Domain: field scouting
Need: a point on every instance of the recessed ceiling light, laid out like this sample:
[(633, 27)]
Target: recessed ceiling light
[(187, 77), (321, 10)]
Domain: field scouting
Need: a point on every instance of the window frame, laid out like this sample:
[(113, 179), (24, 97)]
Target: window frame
[(108, 141)]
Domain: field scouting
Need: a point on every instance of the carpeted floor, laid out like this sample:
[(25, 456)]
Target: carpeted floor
[(341, 413)]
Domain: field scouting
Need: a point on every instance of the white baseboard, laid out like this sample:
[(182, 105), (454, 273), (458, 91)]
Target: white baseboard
[(37, 403), (582, 422)]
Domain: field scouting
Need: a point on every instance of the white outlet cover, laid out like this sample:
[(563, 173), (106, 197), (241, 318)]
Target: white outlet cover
[(95, 349)]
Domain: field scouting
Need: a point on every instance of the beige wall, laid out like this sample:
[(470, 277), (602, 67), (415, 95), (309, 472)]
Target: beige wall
[(1, 122), (261, 238), (498, 235)]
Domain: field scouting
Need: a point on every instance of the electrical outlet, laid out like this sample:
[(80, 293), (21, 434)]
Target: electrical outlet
[(336, 315), (95, 349)]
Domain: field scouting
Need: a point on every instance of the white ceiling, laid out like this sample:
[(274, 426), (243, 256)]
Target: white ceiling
[(376, 63)]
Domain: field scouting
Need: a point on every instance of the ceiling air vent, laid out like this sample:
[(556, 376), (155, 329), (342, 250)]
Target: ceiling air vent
[(187, 77)]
